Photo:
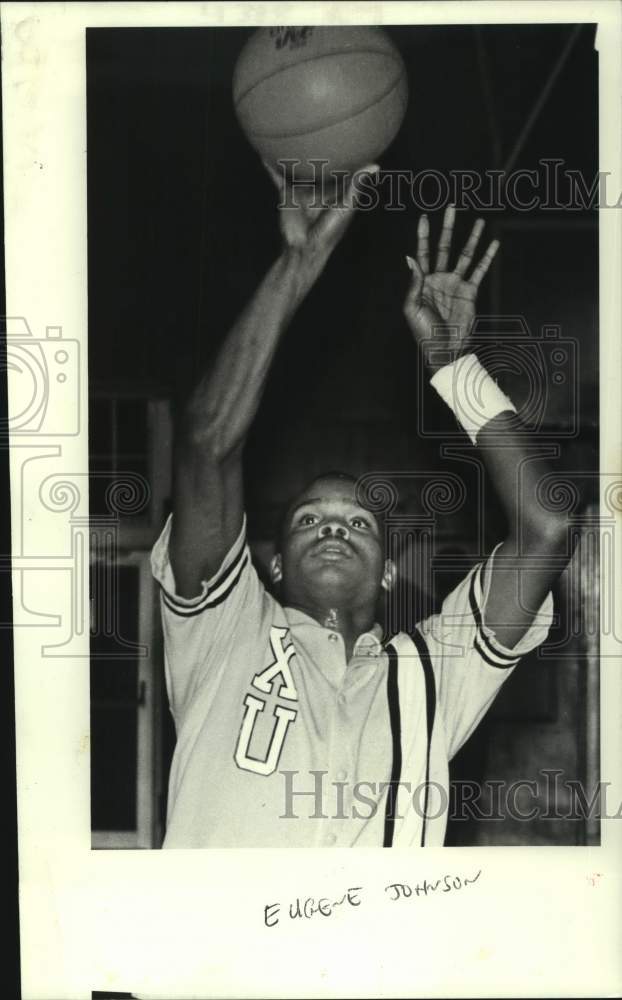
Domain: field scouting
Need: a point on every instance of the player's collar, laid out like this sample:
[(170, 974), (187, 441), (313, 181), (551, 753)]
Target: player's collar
[(368, 643)]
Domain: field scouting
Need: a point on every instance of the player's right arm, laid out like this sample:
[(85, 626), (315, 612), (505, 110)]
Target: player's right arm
[(207, 491)]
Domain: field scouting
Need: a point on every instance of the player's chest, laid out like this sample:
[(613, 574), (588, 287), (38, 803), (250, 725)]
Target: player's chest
[(300, 700)]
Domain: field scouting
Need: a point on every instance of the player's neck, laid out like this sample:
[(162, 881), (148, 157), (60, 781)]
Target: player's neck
[(350, 623)]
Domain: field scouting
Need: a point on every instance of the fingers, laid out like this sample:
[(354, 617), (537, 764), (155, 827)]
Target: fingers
[(484, 264), (423, 244), (353, 191), (334, 219), (465, 258), (444, 243), (276, 176), (370, 168), (418, 277), (444, 246)]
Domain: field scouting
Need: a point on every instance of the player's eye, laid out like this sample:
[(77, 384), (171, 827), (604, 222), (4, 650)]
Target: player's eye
[(359, 522), (307, 519)]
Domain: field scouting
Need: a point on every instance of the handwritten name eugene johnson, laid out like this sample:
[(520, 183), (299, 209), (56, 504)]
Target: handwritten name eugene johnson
[(308, 907)]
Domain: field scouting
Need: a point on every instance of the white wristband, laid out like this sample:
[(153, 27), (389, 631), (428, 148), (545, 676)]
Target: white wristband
[(471, 393)]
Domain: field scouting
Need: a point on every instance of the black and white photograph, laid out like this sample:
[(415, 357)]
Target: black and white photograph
[(313, 433), (343, 357)]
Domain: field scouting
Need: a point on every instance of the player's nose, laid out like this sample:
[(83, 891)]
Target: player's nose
[(334, 527)]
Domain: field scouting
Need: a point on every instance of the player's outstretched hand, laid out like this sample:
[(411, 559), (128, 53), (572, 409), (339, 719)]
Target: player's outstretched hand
[(307, 224), (441, 303)]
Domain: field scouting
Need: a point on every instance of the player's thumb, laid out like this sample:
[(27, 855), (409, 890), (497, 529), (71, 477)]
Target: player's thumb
[(337, 217), (359, 193)]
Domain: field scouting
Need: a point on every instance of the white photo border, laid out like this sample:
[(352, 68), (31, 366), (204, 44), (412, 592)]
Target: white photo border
[(190, 923)]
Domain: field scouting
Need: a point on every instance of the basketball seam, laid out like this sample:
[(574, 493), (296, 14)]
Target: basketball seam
[(339, 121), (327, 55)]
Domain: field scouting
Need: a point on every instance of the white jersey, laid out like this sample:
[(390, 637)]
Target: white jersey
[(282, 743)]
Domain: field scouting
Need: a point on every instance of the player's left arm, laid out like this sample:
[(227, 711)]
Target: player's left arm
[(440, 304)]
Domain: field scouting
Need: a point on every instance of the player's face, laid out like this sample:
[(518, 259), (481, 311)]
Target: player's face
[(332, 549)]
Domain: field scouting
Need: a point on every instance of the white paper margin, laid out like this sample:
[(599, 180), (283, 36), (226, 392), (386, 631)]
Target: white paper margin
[(189, 923)]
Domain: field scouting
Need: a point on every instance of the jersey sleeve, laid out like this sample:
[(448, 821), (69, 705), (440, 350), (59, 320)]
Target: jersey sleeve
[(199, 631), (469, 662)]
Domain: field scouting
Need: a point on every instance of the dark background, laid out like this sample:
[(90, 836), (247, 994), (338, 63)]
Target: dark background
[(182, 226)]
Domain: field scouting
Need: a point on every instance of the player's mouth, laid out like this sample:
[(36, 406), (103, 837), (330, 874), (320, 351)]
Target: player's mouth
[(332, 549)]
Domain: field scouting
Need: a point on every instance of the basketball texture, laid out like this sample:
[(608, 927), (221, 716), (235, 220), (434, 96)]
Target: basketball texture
[(320, 93)]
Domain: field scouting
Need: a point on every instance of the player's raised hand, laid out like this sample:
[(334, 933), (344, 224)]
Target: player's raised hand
[(308, 224), (441, 303)]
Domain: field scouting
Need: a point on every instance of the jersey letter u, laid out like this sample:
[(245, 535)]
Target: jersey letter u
[(276, 679)]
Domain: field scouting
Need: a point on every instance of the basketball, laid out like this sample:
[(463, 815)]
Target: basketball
[(336, 94)]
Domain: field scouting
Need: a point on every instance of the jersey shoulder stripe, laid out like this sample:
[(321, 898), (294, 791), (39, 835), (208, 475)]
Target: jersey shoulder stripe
[(212, 598), (217, 590), (483, 643)]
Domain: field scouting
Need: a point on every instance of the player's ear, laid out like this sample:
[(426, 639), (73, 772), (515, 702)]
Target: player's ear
[(389, 575), (276, 568)]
